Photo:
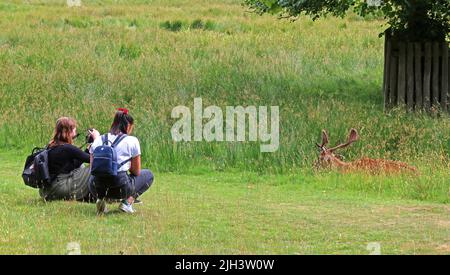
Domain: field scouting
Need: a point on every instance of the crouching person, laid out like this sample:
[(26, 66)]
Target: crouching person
[(66, 164), (116, 166)]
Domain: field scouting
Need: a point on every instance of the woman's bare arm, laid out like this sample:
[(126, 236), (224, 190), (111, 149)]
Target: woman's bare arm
[(135, 168)]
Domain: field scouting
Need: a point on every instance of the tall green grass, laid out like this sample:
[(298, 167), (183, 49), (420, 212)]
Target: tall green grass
[(85, 62)]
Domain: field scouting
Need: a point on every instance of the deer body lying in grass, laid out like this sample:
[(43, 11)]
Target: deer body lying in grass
[(328, 159)]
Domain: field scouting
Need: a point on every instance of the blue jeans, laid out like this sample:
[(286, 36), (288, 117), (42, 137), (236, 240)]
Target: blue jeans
[(122, 186)]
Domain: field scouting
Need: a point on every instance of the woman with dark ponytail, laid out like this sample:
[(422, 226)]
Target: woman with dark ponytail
[(131, 181)]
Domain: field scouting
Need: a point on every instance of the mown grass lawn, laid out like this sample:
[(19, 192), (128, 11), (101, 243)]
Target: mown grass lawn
[(224, 213)]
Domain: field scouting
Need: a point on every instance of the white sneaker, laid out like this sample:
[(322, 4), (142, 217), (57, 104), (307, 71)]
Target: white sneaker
[(101, 207), (126, 207)]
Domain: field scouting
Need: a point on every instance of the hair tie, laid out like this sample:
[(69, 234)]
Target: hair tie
[(124, 110)]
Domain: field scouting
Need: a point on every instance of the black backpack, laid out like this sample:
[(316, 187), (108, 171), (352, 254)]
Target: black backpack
[(35, 173)]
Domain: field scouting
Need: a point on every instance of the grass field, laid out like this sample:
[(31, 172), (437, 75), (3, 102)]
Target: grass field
[(219, 197), (85, 62), (226, 213)]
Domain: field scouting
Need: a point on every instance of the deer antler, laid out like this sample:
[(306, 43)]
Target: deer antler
[(324, 139), (352, 137), (328, 159)]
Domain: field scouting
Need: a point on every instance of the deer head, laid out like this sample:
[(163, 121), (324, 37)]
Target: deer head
[(327, 156)]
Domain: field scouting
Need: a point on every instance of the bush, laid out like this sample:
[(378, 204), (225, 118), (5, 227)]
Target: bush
[(197, 24), (172, 26)]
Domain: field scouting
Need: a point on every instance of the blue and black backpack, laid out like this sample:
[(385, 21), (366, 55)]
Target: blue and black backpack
[(104, 162), (35, 173)]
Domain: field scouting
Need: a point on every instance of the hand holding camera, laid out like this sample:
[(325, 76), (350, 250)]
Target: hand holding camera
[(91, 135)]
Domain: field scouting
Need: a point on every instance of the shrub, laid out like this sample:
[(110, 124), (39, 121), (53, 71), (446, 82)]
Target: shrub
[(172, 26), (197, 24)]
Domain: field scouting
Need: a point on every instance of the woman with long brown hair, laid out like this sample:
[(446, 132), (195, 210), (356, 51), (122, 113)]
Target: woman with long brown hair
[(66, 164)]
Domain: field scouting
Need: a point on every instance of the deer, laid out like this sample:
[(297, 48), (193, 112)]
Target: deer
[(328, 159)]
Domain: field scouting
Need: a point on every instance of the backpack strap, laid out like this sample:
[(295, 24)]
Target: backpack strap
[(118, 140), (123, 162), (105, 139), (115, 143)]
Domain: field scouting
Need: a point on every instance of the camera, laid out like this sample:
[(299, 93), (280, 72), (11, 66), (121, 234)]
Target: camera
[(89, 138)]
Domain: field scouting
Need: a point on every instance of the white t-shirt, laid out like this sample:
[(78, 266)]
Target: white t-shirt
[(128, 148)]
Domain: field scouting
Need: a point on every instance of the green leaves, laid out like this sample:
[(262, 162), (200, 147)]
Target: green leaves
[(413, 20), (272, 6)]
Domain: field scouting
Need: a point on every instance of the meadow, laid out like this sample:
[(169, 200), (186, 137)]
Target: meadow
[(153, 55)]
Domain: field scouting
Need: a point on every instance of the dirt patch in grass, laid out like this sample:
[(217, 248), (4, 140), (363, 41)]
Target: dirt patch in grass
[(444, 223), (385, 209), (445, 248)]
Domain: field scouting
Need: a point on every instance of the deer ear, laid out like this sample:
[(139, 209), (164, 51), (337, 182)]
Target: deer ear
[(353, 136), (324, 138)]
